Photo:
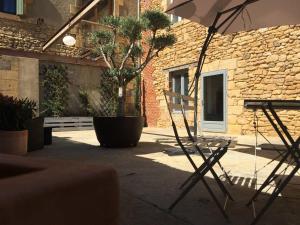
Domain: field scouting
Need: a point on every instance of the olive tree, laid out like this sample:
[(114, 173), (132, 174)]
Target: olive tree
[(119, 44)]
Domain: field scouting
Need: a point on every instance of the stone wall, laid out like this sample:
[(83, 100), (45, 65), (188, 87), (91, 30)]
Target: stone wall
[(263, 64), (43, 18), (25, 35), (85, 78), (19, 77), (53, 12), (29, 78), (9, 76), (127, 7), (29, 37), (150, 103)]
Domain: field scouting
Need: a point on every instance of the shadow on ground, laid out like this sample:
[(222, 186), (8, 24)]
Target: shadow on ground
[(149, 183)]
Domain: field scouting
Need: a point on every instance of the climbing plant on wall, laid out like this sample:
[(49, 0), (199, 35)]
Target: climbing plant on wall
[(55, 89), (85, 103), (106, 105), (109, 102)]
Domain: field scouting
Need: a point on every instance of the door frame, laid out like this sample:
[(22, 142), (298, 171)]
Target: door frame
[(222, 129)]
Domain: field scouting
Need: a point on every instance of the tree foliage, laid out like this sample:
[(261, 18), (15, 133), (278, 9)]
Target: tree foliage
[(119, 45)]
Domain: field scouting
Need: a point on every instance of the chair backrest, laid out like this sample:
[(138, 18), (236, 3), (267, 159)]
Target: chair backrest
[(170, 97), (171, 105), (187, 103)]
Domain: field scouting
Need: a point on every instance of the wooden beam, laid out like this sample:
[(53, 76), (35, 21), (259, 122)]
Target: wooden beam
[(86, 54), (54, 58), (92, 22), (73, 21)]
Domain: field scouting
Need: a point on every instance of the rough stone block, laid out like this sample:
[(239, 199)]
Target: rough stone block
[(229, 64), (234, 129)]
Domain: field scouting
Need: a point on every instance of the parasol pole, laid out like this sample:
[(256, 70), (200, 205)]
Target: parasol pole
[(212, 30)]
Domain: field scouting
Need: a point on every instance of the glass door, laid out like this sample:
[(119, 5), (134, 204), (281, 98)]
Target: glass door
[(214, 102)]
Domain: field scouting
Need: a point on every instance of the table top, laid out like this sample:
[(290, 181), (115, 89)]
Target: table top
[(275, 104)]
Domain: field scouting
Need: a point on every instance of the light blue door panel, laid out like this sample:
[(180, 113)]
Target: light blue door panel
[(214, 101)]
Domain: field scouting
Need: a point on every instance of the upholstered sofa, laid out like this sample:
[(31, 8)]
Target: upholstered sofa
[(46, 192)]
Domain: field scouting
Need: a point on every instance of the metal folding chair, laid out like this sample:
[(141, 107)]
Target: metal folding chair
[(206, 166), (202, 142)]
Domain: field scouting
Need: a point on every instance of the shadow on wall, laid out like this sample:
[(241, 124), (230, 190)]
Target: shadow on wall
[(54, 12), (80, 77)]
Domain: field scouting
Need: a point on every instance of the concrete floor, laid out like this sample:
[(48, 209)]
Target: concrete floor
[(150, 178)]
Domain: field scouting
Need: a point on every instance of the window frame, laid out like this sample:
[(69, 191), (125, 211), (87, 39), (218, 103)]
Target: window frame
[(171, 16), (172, 19), (18, 12), (216, 126), (184, 77)]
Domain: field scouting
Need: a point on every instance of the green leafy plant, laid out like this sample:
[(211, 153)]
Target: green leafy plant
[(109, 98), (85, 104), (15, 112), (119, 46), (55, 84)]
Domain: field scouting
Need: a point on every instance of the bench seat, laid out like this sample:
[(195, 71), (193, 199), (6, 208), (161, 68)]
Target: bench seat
[(69, 123)]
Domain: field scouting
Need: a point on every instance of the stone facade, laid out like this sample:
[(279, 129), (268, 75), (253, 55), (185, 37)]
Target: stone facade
[(41, 20), (22, 38), (9, 76), (150, 103), (29, 37), (263, 64), (18, 77)]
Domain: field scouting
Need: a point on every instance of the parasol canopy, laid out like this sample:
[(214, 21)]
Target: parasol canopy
[(253, 15)]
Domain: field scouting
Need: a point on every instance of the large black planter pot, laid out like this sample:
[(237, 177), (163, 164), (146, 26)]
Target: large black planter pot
[(118, 132), (35, 129)]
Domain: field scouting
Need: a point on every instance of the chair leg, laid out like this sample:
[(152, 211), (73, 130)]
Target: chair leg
[(186, 181), (270, 178), (225, 174), (191, 185), (222, 187), (220, 184), (275, 195)]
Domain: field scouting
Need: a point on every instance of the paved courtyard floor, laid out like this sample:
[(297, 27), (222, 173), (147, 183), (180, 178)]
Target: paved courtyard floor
[(149, 180)]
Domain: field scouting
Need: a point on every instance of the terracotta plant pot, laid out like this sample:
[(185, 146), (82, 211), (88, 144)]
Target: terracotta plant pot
[(14, 142)]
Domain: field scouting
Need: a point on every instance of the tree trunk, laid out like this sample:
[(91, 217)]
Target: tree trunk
[(121, 101)]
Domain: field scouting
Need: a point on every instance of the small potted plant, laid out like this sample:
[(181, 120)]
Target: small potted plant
[(119, 44), (13, 116), (35, 127)]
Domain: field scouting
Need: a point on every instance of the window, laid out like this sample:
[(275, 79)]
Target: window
[(173, 18), (8, 6), (179, 83), (14, 7)]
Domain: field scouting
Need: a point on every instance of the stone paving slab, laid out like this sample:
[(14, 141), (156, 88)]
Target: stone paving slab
[(150, 179)]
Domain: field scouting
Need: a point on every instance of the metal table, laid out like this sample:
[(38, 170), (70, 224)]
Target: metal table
[(268, 107)]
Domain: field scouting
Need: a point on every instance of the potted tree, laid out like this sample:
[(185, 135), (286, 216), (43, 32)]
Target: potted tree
[(119, 44), (13, 116)]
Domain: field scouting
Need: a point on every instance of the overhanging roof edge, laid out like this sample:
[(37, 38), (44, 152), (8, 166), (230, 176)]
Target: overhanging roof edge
[(71, 22)]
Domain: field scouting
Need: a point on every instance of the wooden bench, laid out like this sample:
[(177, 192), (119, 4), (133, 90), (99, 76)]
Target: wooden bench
[(69, 123), (65, 124)]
